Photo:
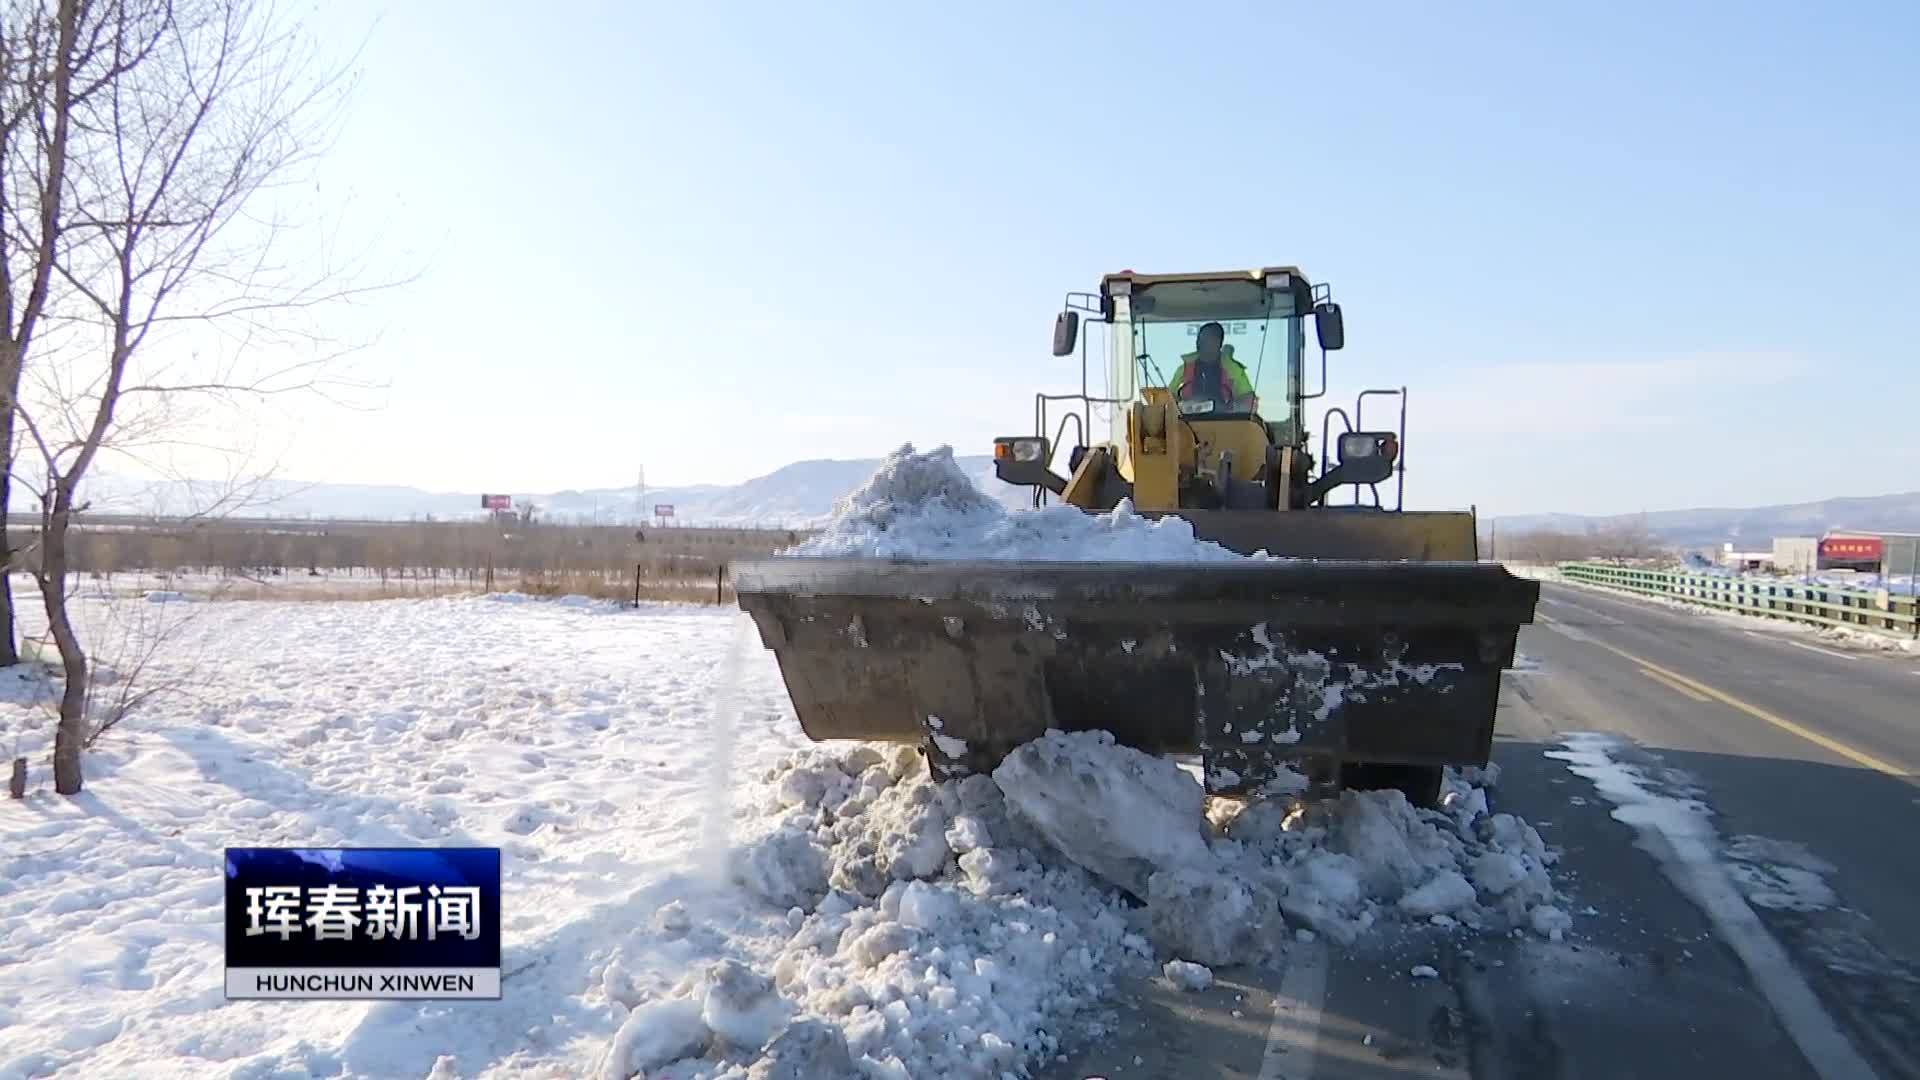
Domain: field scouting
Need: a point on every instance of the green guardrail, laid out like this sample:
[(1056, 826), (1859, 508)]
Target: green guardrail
[(1873, 610)]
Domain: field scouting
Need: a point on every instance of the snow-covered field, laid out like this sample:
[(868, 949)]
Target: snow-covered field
[(691, 889), (576, 736), (356, 583)]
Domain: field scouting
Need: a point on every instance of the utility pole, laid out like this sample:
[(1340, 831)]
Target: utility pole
[(640, 498)]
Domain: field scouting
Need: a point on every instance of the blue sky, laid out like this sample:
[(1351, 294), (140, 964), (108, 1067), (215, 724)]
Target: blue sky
[(1631, 256)]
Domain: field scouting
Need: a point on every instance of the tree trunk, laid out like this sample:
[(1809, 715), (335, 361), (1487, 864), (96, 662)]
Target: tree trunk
[(71, 736), (8, 642), (9, 388)]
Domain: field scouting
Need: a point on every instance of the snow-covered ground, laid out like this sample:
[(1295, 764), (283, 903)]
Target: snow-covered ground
[(576, 736), (354, 583), (691, 889)]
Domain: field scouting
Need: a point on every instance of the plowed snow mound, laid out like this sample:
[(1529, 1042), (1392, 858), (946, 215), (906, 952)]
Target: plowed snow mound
[(966, 926), (942, 948), (923, 506)]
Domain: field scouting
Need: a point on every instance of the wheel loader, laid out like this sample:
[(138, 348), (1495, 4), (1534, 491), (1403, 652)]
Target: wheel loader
[(1364, 649)]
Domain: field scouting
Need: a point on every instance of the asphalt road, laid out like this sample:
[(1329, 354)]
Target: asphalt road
[(1688, 964)]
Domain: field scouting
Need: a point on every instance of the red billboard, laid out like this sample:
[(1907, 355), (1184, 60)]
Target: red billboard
[(1851, 549), (496, 502)]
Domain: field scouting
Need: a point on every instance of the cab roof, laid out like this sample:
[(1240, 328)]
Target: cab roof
[(1260, 274)]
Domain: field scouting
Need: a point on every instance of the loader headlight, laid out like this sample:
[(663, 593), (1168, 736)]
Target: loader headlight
[(1358, 445), (1025, 451)]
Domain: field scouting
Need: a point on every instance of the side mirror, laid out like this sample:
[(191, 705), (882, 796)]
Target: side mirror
[(1066, 331), (1328, 327)]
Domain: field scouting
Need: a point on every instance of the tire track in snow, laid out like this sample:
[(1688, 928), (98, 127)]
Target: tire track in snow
[(1675, 831)]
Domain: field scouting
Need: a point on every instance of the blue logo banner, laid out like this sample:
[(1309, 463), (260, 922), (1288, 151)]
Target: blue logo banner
[(363, 922)]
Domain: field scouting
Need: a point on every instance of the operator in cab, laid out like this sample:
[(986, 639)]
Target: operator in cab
[(1210, 374)]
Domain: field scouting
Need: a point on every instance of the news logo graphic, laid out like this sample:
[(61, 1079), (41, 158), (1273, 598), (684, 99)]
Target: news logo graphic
[(379, 923)]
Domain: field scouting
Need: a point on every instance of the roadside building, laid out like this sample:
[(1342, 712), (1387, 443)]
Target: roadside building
[(1796, 554), (1745, 561)]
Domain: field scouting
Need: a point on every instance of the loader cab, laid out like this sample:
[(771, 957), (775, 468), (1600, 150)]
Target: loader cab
[(1221, 355), (1156, 326)]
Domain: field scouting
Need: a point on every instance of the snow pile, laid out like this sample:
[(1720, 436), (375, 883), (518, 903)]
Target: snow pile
[(1336, 867), (1341, 866), (927, 932), (1214, 915), (1075, 788), (962, 927), (923, 506)]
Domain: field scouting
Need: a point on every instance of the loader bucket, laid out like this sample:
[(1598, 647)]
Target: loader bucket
[(1253, 665)]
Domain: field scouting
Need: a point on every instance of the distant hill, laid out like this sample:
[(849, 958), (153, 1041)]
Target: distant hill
[(795, 495), (1750, 527), (804, 492)]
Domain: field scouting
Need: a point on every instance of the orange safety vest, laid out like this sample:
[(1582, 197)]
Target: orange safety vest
[(1189, 379)]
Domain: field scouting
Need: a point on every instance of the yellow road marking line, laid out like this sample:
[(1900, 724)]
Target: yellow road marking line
[(1858, 757), (1677, 687)]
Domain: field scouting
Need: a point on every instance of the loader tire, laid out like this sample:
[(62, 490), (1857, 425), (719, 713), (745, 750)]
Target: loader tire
[(1419, 783)]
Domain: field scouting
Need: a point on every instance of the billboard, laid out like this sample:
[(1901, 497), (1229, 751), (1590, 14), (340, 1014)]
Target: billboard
[(1851, 549), (662, 509), (363, 923), (496, 502)]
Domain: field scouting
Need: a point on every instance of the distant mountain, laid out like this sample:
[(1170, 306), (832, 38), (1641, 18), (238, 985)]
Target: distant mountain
[(1751, 527), (804, 492), (795, 495)]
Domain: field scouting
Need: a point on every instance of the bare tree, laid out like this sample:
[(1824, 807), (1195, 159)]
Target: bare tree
[(38, 50), (158, 142)]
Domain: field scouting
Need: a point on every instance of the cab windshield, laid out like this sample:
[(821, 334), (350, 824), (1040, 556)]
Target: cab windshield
[(1231, 351)]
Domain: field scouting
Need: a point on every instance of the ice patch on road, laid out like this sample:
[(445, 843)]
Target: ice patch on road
[(1779, 874), (1773, 874), (1678, 831), (923, 506)]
